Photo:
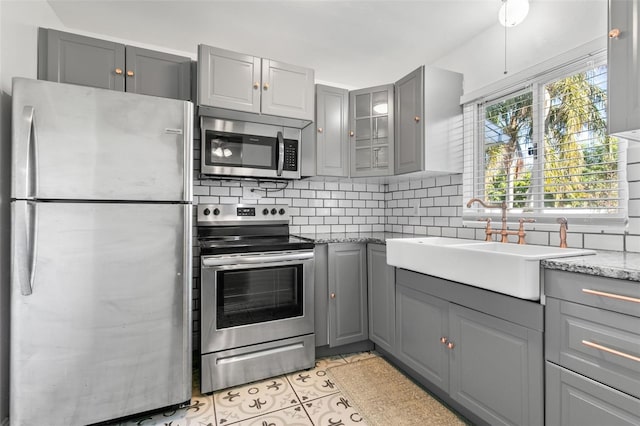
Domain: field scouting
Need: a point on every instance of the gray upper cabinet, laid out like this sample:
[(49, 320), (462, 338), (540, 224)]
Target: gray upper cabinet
[(332, 124), (371, 122), (428, 130), (348, 319), (246, 83), (74, 59), (623, 74), (382, 298), (158, 74)]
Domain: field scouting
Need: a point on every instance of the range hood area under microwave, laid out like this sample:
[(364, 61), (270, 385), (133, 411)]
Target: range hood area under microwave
[(246, 149)]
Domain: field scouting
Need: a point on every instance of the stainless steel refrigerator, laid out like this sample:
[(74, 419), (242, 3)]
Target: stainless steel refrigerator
[(101, 254)]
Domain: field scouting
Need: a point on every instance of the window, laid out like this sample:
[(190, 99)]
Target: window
[(544, 150)]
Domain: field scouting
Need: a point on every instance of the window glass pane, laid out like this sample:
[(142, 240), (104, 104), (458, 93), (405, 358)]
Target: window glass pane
[(581, 161), (509, 152)]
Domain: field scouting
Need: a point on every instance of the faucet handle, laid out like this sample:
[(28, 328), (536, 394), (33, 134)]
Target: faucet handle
[(484, 219), (527, 220), (521, 233), (563, 221)]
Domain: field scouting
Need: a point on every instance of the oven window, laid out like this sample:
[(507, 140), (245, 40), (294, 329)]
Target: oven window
[(253, 296)]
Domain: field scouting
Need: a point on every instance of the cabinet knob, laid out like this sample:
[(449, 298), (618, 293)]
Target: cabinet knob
[(256, 85), (450, 345), (129, 73), (416, 118), (332, 295), (265, 86), (319, 129), (351, 133), (444, 340), (614, 33), (118, 71)]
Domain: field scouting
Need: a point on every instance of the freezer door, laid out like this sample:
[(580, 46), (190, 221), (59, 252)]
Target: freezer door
[(80, 143), (104, 330)]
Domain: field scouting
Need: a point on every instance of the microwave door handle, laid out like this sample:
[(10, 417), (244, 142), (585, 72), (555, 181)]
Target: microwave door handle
[(280, 153)]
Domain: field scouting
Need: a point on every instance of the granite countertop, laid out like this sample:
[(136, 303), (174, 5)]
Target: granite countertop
[(609, 264), (355, 237)]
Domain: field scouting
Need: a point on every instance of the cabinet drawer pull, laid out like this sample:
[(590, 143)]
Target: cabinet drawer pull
[(614, 33), (416, 118), (319, 129), (444, 340), (265, 86), (611, 351), (130, 73), (450, 345), (256, 85), (351, 134), (611, 295), (332, 295), (118, 71)]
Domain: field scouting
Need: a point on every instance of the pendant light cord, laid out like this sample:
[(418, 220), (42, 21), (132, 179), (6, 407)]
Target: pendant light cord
[(506, 5)]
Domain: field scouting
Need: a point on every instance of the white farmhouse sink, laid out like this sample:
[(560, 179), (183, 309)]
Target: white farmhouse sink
[(504, 268)]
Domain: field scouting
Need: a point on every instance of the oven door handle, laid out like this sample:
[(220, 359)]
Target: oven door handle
[(256, 259)]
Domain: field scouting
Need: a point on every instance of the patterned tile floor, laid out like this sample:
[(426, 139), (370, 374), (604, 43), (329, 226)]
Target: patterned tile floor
[(303, 398)]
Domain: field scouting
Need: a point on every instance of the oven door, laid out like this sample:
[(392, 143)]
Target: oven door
[(255, 297)]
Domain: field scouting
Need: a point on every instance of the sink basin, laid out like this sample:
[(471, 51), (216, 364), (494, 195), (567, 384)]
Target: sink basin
[(510, 269)]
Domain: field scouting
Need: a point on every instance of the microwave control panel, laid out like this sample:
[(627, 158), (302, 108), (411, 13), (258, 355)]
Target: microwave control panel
[(290, 155)]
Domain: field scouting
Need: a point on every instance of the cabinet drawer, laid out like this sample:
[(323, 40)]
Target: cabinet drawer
[(606, 293), (600, 344), (574, 400)]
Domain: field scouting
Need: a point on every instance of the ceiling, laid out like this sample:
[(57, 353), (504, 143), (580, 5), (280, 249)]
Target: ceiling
[(357, 43), (352, 43)]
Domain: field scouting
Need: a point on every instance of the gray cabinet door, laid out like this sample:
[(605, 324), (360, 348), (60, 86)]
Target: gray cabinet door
[(321, 293), (623, 74), (347, 294), (496, 368), (287, 90), (382, 298), (75, 59), (332, 124), (409, 128), (422, 326), (371, 122), (158, 74), (228, 79), (574, 400)]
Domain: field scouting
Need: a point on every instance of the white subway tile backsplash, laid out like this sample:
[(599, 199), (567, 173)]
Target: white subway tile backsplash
[(331, 186), (603, 242), (331, 203), (443, 180)]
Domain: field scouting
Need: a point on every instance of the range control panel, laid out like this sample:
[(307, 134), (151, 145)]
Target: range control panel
[(224, 214)]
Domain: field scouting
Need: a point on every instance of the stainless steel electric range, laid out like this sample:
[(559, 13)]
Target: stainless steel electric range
[(256, 295)]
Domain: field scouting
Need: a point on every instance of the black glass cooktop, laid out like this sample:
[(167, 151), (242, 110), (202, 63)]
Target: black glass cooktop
[(228, 245)]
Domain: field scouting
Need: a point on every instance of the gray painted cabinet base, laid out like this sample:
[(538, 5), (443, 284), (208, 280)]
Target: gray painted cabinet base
[(482, 348), (382, 297), (574, 400)]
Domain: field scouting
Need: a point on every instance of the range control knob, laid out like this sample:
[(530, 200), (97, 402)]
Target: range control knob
[(206, 212), (281, 211), (274, 211), (216, 212), (265, 212)]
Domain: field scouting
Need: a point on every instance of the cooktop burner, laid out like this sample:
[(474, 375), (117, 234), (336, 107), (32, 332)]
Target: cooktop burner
[(242, 228)]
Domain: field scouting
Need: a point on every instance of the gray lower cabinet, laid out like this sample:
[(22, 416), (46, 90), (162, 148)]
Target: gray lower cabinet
[(575, 400), (483, 349), (382, 298), (75, 59), (332, 134), (592, 348), (340, 294), (347, 278)]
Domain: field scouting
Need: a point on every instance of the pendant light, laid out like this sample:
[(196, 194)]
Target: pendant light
[(512, 13)]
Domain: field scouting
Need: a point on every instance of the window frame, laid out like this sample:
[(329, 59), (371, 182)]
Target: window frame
[(474, 167)]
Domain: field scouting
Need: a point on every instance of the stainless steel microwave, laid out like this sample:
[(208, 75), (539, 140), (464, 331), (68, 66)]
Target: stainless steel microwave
[(244, 149)]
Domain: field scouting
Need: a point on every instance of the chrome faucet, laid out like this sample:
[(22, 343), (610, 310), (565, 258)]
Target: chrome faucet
[(503, 231)]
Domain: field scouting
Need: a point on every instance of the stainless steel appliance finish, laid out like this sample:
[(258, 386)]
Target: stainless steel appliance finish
[(256, 290), (101, 254), (245, 149)]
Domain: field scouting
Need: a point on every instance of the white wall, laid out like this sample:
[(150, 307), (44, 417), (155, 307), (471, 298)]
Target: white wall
[(541, 36)]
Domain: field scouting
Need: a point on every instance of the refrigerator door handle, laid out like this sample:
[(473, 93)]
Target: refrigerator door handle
[(280, 153), (26, 155), (24, 242)]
